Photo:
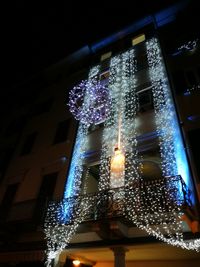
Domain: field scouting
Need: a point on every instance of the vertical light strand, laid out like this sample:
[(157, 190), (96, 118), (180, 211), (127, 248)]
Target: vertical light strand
[(170, 224), (174, 161), (57, 233), (110, 131)]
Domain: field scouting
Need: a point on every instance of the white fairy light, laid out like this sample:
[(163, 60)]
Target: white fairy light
[(153, 206), (57, 233), (173, 156)]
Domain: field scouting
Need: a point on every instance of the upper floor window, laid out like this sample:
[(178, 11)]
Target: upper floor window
[(191, 78), (104, 77), (106, 56), (28, 144), (198, 72), (105, 61), (145, 100), (42, 107), (15, 126), (7, 200), (195, 147), (179, 81), (62, 132), (138, 39)]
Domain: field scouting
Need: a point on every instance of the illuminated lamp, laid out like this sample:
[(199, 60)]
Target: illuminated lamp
[(76, 262), (117, 161)]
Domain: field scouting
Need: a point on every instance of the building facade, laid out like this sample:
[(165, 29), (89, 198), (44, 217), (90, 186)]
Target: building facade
[(126, 177)]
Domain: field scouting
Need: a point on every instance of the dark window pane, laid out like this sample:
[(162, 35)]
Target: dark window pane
[(45, 194), (191, 78), (198, 71), (41, 108), (195, 147), (48, 185), (62, 131), (28, 144), (15, 126), (8, 200), (105, 64), (145, 100), (179, 81), (5, 156)]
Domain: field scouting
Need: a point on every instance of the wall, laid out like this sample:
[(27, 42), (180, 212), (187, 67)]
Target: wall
[(179, 263)]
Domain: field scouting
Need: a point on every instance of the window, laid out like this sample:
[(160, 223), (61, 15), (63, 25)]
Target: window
[(198, 72), (8, 200), (95, 127), (28, 144), (104, 77), (191, 78), (138, 39), (145, 100), (105, 61), (179, 81), (91, 181), (45, 194), (41, 108), (106, 56), (15, 126), (195, 147), (5, 156), (142, 62), (48, 185), (62, 132)]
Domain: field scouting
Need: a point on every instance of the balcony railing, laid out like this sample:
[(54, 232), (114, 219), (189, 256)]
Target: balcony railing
[(155, 196)]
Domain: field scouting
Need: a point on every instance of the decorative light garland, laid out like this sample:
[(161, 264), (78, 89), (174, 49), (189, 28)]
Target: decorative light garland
[(57, 233), (173, 156), (89, 102), (189, 46), (153, 207)]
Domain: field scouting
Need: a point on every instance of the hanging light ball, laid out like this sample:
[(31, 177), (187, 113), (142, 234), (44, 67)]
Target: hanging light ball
[(90, 102), (76, 98)]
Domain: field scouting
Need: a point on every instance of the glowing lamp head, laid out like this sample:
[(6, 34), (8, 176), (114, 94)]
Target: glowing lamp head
[(117, 161), (76, 262)]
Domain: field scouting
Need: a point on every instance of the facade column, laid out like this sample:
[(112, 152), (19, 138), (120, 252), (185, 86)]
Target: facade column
[(119, 256)]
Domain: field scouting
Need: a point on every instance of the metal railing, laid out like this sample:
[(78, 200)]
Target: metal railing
[(154, 196)]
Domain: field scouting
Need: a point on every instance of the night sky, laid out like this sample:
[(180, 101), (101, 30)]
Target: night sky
[(35, 35)]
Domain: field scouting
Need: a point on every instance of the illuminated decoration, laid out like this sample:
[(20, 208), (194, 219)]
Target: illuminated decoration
[(154, 206), (189, 46), (89, 102), (117, 161), (120, 126), (58, 233), (117, 169), (192, 89), (76, 262), (173, 156)]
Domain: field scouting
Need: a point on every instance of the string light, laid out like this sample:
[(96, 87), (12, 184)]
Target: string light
[(189, 46), (76, 262), (89, 102), (153, 206)]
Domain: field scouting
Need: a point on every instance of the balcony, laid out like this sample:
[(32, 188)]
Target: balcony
[(144, 198)]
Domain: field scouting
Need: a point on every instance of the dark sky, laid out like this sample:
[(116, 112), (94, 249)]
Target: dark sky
[(35, 34)]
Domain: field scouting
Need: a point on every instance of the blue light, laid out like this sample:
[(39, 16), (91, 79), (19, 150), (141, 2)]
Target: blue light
[(186, 93), (173, 154), (75, 171)]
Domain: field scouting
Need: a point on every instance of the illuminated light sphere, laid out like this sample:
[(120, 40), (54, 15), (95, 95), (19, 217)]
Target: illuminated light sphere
[(117, 162), (89, 102), (76, 98), (76, 262)]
